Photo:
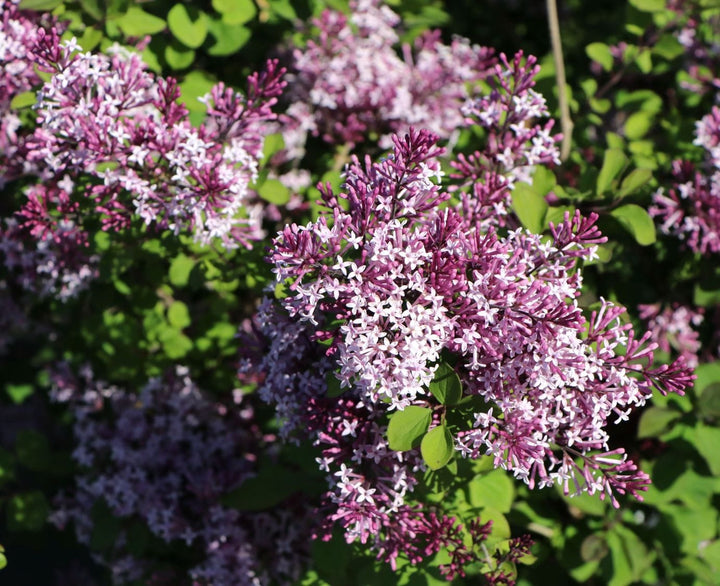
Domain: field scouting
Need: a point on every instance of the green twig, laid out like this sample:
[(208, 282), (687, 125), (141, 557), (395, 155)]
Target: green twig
[(566, 123)]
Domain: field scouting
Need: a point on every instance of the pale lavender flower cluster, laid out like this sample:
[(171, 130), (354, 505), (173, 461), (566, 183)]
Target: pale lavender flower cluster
[(166, 455), (690, 209), (674, 328), (108, 121), (390, 281), (350, 83)]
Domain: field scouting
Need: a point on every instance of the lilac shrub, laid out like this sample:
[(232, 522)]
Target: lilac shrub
[(350, 82), (167, 455), (398, 278), (690, 208)]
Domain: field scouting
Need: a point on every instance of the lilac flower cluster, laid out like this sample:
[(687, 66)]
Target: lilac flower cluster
[(696, 30), (390, 281), (690, 209), (349, 82), (166, 455), (674, 328), (516, 141), (18, 34)]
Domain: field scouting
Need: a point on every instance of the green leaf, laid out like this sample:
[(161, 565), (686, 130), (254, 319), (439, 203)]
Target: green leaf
[(93, 8), (273, 144), (593, 548), (644, 61), (707, 374), (180, 269), (437, 447), (493, 489), (709, 402), (235, 11), (543, 180), (91, 38), (283, 8), (630, 557), (446, 386), (32, 449), (188, 25), (138, 23), (106, 527), (178, 56), (636, 221), (39, 5), (273, 191), (600, 53), (634, 181), (18, 393), (272, 485), (175, 344), (707, 440), (648, 5), (655, 420), (7, 467), (637, 125), (27, 511), (23, 100), (668, 47), (3, 559), (530, 207), (695, 526), (229, 38), (406, 427), (195, 85), (178, 315), (614, 162)]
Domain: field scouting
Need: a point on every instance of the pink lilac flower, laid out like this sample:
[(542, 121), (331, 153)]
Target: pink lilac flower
[(118, 131), (696, 31), (44, 249), (352, 80), (690, 209), (389, 282), (19, 33), (166, 455), (516, 142), (674, 328)]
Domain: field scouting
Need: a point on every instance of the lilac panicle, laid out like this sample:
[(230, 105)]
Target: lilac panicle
[(516, 141), (392, 279), (690, 209), (352, 80), (166, 455), (118, 131)]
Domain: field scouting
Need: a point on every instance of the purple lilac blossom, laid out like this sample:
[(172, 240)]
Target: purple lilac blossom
[(389, 281), (350, 82), (690, 209), (516, 142), (674, 328), (166, 455), (19, 33)]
